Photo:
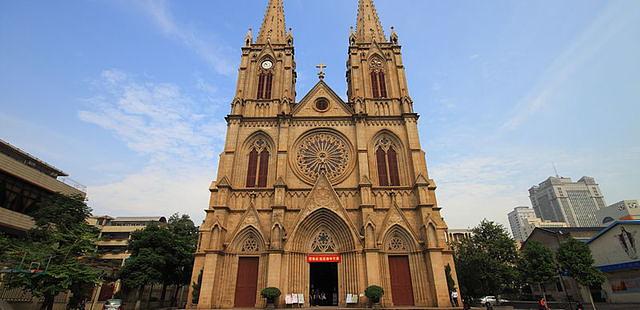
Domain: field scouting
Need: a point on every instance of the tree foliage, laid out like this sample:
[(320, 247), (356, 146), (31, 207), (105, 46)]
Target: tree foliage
[(537, 264), (485, 262), (57, 253), (575, 257), (161, 255)]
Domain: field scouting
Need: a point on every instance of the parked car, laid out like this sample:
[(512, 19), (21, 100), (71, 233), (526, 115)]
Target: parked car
[(491, 300), (113, 304)]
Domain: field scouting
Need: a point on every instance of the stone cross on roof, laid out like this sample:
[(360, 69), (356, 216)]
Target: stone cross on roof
[(321, 70)]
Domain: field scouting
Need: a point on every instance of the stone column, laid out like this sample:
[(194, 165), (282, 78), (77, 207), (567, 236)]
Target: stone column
[(208, 279), (437, 277), (372, 258)]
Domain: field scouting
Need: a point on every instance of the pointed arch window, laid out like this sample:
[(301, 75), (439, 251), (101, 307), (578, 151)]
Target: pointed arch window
[(387, 162), (378, 82), (258, 167), (265, 80)]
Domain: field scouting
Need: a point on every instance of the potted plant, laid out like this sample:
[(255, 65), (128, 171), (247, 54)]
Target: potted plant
[(270, 293), (374, 293)]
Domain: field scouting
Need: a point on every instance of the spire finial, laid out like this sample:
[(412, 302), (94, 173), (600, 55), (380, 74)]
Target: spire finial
[(321, 70), (368, 26), (273, 27)]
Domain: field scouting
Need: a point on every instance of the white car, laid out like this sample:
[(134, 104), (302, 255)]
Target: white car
[(491, 300)]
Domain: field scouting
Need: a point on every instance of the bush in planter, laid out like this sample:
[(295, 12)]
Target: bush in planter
[(374, 293), (270, 293)]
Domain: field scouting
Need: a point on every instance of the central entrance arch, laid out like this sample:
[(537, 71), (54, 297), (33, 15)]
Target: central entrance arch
[(323, 289), (323, 260)]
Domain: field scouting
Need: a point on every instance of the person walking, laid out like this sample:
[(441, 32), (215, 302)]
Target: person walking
[(542, 304), (454, 298)]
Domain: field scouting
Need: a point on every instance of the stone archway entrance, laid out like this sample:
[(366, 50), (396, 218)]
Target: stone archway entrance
[(323, 264), (323, 284)]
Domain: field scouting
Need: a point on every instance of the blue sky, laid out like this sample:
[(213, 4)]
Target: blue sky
[(128, 97)]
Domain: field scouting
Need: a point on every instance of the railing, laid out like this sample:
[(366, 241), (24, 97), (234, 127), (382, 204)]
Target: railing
[(73, 183)]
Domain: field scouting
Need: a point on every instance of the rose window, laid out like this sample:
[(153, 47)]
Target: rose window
[(322, 152)]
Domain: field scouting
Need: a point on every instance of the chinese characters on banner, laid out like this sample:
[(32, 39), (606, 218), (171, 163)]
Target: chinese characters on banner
[(324, 258)]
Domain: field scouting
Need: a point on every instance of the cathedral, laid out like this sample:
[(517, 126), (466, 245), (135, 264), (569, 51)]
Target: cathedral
[(319, 197)]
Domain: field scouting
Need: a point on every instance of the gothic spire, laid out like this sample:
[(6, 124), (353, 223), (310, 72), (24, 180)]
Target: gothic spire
[(273, 28), (368, 27)]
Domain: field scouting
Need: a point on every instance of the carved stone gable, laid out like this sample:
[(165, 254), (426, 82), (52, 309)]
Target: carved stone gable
[(322, 101)]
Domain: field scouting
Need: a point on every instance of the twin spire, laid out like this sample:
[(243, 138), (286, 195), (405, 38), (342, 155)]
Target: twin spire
[(273, 26), (368, 27)]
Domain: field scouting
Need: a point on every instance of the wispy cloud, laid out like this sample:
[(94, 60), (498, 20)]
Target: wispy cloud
[(160, 13), (173, 130), (614, 18)]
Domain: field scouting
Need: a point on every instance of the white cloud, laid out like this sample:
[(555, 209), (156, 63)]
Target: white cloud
[(613, 19), (482, 186), (202, 45), (172, 129)]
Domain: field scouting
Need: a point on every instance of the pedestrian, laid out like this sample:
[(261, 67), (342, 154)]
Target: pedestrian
[(542, 304), (454, 298)]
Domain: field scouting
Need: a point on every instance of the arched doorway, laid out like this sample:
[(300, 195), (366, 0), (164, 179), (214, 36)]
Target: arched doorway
[(400, 250), (323, 263)]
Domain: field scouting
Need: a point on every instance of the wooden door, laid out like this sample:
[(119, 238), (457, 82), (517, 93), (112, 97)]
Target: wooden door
[(401, 288), (247, 282)]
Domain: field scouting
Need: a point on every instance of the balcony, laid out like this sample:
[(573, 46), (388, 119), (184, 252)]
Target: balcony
[(113, 242)]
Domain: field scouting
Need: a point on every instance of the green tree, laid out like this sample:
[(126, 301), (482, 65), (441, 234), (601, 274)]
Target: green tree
[(575, 258), (57, 252), (161, 255), (185, 233), (537, 265), (485, 262)]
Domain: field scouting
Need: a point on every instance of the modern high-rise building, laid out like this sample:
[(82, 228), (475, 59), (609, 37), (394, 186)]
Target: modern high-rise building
[(523, 221), (559, 199), (517, 220)]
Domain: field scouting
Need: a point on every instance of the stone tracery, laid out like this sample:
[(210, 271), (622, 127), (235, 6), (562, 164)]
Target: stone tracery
[(323, 242), (250, 245), (322, 152)]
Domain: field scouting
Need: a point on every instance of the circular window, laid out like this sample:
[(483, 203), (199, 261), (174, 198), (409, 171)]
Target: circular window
[(322, 104), (322, 151)]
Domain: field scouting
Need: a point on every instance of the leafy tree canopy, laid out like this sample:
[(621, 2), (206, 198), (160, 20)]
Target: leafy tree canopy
[(485, 262), (161, 254), (537, 264), (57, 252), (575, 257)]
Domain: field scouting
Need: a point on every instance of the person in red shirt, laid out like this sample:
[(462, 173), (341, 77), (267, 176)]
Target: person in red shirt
[(542, 304)]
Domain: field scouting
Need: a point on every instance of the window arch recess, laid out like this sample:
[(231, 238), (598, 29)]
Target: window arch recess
[(256, 158), (377, 77), (388, 156)]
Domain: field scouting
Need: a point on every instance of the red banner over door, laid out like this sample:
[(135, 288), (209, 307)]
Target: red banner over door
[(324, 258)]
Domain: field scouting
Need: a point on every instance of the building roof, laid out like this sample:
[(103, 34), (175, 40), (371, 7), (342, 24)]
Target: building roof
[(140, 219), (569, 230), (30, 160), (616, 223)]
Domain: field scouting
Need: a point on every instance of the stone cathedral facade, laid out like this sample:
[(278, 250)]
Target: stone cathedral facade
[(321, 197)]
